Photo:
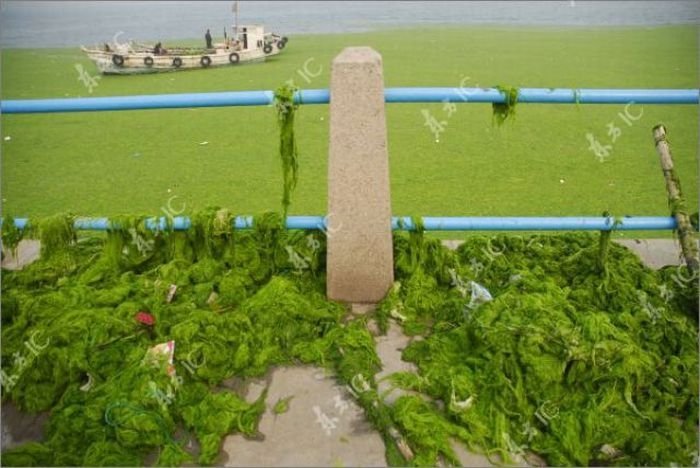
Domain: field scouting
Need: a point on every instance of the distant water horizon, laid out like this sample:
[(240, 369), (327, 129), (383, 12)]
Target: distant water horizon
[(40, 24)]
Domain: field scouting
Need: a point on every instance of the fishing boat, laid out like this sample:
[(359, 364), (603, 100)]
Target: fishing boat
[(249, 43)]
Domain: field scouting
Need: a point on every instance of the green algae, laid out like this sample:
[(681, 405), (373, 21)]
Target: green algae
[(11, 234), (56, 233), (286, 109), (282, 405), (82, 315), (350, 351), (565, 360), (505, 110), (233, 415)]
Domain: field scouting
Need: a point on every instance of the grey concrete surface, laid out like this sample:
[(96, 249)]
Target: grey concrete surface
[(360, 266), (19, 427), (389, 349), (322, 427), (655, 253), (28, 250)]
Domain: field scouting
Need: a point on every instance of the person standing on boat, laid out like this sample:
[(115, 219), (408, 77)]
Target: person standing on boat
[(207, 36)]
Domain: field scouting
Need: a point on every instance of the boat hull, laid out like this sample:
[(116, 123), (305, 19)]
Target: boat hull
[(139, 62)]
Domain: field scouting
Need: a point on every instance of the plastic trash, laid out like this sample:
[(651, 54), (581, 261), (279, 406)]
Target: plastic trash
[(166, 351), (479, 295)]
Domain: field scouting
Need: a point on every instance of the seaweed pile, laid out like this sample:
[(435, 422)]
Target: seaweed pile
[(579, 354), (91, 309)]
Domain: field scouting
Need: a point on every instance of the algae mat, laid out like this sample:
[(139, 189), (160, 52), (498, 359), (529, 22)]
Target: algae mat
[(540, 164), (564, 346)]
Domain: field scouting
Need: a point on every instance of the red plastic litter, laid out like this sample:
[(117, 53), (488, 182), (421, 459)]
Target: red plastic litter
[(145, 318)]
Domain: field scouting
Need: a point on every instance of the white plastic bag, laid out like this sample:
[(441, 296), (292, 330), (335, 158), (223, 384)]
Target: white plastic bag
[(479, 295)]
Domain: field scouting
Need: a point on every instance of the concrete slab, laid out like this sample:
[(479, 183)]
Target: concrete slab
[(299, 437), (28, 251), (322, 427), (655, 253), (19, 428), (389, 349)]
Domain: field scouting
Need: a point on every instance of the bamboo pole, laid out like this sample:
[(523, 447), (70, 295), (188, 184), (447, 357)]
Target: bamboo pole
[(676, 201)]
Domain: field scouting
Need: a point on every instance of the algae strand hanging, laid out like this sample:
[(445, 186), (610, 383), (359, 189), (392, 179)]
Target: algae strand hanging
[(286, 108), (505, 110)]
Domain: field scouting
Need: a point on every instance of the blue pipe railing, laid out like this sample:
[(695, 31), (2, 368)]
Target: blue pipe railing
[(574, 223), (322, 96), (392, 95)]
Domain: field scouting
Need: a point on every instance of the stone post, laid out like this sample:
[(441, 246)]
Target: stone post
[(360, 257)]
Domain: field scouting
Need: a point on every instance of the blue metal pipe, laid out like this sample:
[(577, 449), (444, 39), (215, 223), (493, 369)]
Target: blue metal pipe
[(154, 101), (546, 95), (577, 223), (322, 96)]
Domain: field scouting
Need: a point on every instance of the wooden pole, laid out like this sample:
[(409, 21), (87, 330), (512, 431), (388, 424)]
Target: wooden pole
[(676, 201)]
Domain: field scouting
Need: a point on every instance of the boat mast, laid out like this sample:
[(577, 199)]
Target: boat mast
[(235, 13)]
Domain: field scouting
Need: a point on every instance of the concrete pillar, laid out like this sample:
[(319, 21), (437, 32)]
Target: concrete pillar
[(360, 264)]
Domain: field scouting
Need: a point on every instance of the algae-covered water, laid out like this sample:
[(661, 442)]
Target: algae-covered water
[(538, 164)]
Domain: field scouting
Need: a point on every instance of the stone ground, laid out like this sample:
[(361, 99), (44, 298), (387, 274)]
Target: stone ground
[(322, 426)]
